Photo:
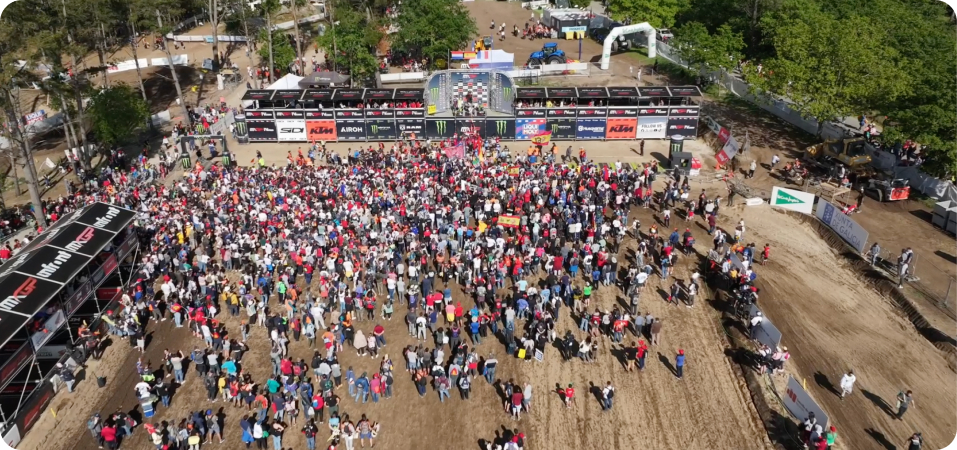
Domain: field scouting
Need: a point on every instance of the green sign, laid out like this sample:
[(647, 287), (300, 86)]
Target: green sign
[(784, 198)]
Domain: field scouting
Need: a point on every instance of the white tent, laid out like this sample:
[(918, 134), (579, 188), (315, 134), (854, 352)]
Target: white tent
[(289, 81)]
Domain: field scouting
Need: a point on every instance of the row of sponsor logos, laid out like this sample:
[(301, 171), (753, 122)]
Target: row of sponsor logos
[(596, 112), (522, 129)]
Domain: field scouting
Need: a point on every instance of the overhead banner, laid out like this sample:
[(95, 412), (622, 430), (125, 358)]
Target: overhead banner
[(380, 130), (439, 128), (652, 127), (525, 129), (291, 130), (684, 126), (590, 129), (241, 128), (321, 130), (500, 128), (793, 200), (408, 127), (262, 130), (470, 126), (799, 402), (351, 130), (621, 128), (562, 129), (842, 224)]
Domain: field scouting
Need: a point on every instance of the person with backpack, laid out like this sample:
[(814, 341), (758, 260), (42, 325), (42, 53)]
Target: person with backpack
[(608, 396)]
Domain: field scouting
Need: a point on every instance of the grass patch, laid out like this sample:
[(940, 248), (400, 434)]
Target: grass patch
[(924, 199)]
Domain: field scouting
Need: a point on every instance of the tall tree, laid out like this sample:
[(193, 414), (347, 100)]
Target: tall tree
[(432, 28), (266, 9), (294, 6), (116, 112), (658, 13), (351, 43), (708, 51)]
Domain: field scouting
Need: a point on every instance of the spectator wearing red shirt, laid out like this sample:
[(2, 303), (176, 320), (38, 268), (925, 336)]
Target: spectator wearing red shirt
[(109, 437)]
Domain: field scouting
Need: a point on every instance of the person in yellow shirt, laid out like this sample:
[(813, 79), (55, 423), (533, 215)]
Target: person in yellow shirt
[(180, 238)]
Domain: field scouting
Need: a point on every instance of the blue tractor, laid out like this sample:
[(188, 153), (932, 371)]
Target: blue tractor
[(550, 54)]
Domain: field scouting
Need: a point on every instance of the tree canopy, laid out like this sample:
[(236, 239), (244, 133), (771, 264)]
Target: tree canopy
[(432, 28), (116, 112), (658, 13), (351, 43)]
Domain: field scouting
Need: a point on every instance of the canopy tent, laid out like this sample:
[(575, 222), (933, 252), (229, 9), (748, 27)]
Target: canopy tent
[(323, 78), (289, 81)]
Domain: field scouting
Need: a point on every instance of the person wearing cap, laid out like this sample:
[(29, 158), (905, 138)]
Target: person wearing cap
[(755, 323), (830, 437), (680, 364)]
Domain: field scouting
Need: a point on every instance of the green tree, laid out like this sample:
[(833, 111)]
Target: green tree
[(116, 112), (658, 13), (584, 4), (830, 68), (432, 28), (282, 53), (351, 42), (266, 9), (708, 51)]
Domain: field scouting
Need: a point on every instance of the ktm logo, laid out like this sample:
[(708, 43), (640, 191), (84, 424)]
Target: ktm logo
[(621, 129), (322, 130)]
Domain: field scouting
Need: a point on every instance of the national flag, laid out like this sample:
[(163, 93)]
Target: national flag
[(511, 221), (542, 139)]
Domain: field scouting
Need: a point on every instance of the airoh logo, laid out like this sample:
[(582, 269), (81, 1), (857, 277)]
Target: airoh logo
[(350, 130)]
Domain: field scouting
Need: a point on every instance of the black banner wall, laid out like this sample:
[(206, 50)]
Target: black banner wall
[(500, 128), (380, 130), (562, 112), (262, 130), (563, 129), (351, 130), (470, 126), (684, 126), (530, 113), (408, 126), (380, 113), (439, 128)]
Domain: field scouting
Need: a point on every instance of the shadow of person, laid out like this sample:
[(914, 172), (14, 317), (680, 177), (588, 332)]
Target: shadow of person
[(667, 363), (880, 438), (823, 382), (878, 401)]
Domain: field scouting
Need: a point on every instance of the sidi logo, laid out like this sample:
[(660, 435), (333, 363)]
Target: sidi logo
[(292, 130), (104, 221), (83, 238), (18, 295)]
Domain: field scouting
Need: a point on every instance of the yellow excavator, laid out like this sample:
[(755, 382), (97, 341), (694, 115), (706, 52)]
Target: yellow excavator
[(849, 152), (484, 44)]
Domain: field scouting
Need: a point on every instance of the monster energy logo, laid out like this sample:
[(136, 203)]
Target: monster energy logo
[(184, 160), (555, 128), (374, 128), (434, 95), (441, 126), (501, 126), (507, 93), (226, 161), (241, 128)]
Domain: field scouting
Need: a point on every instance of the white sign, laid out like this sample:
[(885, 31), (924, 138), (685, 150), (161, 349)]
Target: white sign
[(652, 128), (731, 148), (800, 404), (580, 29), (11, 437), (291, 130), (766, 333), (844, 226), (799, 201)]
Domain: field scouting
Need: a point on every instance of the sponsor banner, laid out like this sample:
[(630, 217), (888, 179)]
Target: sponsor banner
[(510, 221), (417, 112), (380, 130), (322, 114), (729, 150), (765, 333), (724, 135), (531, 113), (12, 436), (652, 127), (80, 238), (54, 264), (590, 129), (799, 403), (562, 112), (126, 247), (542, 139), (290, 114), (262, 130), (842, 224), (291, 130), (349, 114), (407, 127), (622, 112), (52, 352), (242, 128), (562, 129), (713, 125), (525, 129), (15, 363), (799, 201), (321, 130), (34, 407), (621, 128), (34, 117), (379, 113), (439, 128), (500, 128), (661, 111), (52, 324), (106, 217), (653, 91), (259, 115), (593, 112), (78, 297), (684, 111), (470, 126), (684, 126), (351, 130)]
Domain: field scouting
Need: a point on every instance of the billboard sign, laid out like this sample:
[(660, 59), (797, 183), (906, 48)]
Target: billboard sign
[(799, 201), (842, 224), (262, 130), (351, 130), (591, 112), (470, 126), (291, 130), (416, 112), (684, 126), (799, 403), (622, 112), (500, 128), (321, 130), (439, 128), (684, 111), (652, 111), (349, 114), (590, 129), (379, 113), (621, 128), (562, 129), (321, 114), (525, 129), (562, 112), (652, 127), (527, 113), (380, 130), (407, 127)]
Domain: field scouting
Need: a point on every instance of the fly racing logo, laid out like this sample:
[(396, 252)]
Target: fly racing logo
[(111, 213), (19, 295), (441, 127), (48, 269), (501, 126)]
